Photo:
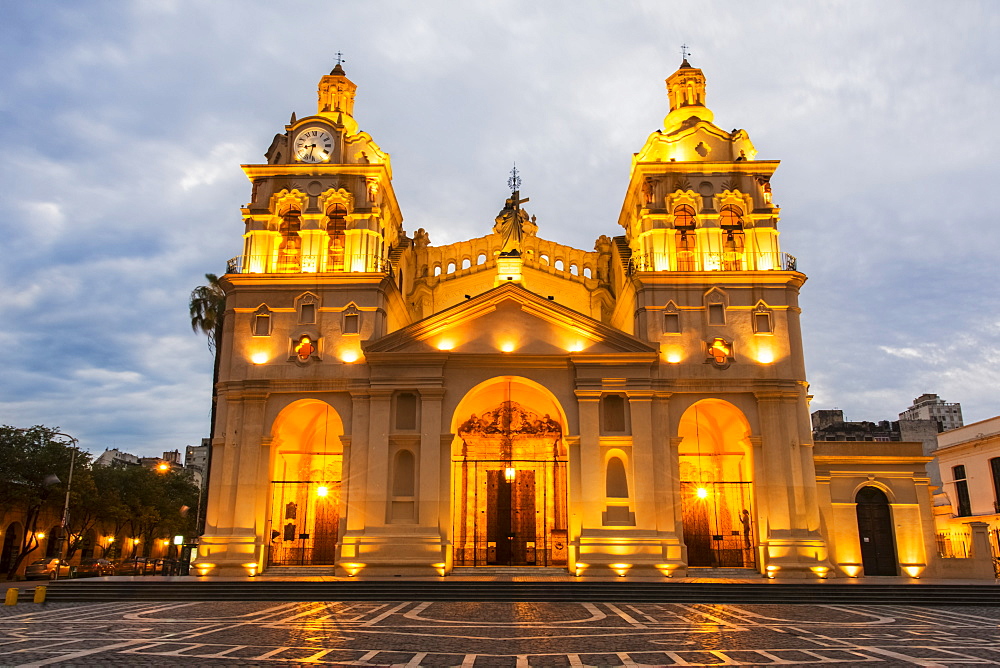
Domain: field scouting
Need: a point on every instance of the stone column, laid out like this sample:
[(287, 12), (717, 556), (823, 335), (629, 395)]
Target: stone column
[(378, 458), (640, 407), (432, 491), (587, 496), (356, 474)]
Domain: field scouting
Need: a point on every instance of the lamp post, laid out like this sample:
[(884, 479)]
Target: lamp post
[(64, 552)]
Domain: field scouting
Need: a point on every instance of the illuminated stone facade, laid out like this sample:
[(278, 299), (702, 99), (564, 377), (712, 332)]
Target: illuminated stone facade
[(391, 406)]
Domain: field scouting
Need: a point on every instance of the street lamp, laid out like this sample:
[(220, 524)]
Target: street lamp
[(64, 553)]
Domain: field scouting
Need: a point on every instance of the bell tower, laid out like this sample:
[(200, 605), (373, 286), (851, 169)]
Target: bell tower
[(703, 276)]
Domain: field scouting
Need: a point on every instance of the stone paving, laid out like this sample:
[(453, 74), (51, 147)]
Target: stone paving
[(494, 634)]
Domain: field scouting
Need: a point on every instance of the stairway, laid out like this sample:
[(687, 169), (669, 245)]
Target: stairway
[(508, 571), (575, 590)]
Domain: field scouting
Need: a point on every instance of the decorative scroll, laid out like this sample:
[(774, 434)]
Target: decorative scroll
[(509, 420)]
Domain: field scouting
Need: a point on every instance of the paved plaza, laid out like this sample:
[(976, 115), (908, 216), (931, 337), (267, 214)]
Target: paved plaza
[(493, 634)]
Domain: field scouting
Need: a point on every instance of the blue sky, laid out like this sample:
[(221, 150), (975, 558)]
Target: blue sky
[(123, 125)]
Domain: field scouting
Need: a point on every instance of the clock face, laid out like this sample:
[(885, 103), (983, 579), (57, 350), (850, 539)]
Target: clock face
[(313, 145)]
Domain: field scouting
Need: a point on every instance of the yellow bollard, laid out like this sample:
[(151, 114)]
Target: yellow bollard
[(11, 597), (40, 593)]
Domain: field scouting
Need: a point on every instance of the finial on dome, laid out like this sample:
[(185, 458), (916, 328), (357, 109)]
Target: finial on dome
[(337, 69), (684, 56)]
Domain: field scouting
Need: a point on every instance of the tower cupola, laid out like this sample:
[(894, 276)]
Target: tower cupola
[(336, 97), (686, 90)]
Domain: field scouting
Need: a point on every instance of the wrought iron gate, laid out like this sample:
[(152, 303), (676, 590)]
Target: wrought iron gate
[(304, 523), (718, 524)]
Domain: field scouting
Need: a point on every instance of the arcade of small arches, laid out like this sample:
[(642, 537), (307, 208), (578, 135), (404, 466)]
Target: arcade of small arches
[(537, 253)]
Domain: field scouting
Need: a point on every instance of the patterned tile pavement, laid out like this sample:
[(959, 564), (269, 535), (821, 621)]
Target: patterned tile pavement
[(494, 634)]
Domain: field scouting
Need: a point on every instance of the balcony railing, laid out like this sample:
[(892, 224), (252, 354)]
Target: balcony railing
[(711, 261), (306, 264)]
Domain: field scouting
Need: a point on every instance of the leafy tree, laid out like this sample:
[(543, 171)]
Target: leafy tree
[(34, 466), (207, 307)]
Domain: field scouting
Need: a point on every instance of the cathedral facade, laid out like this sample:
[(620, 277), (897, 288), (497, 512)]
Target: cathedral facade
[(387, 406)]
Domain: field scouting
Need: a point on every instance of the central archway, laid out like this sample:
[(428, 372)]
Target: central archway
[(307, 469), (509, 476), (716, 486)]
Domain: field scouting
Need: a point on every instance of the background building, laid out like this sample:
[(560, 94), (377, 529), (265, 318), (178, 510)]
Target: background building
[(933, 407)]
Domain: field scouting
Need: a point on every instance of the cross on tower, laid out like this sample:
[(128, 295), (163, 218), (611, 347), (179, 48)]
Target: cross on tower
[(684, 52), (514, 183), (340, 58)]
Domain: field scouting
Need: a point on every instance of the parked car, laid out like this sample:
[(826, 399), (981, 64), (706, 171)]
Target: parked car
[(134, 566), (164, 567), (47, 569), (91, 568)]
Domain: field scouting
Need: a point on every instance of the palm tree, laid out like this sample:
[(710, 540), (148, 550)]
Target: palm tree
[(207, 307)]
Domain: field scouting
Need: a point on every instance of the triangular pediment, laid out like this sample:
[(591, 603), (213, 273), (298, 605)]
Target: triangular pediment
[(509, 319)]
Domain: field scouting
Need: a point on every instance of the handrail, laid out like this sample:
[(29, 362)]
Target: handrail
[(306, 264), (712, 261)]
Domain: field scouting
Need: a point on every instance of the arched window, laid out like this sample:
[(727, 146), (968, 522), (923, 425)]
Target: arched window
[(336, 227), (559, 265), (617, 482), (731, 217), (481, 259), (403, 474), (451, 267), (437, 270), (687, 242), (575, 270), (731, 222), (544, 259), (587, 272), (290, 247), (684, 217), (466, 263)]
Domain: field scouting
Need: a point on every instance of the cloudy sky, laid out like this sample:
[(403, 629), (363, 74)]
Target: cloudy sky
[(123, 125)]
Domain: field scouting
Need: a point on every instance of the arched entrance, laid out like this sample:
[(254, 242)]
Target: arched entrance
[(716, 471), (11, 546), (307, 468), (878, 544), (509, 476)]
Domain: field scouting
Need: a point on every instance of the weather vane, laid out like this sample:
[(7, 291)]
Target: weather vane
[(514, 182), (340, 58), (684, 52)]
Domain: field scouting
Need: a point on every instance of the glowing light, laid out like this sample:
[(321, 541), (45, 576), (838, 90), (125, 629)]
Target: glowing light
[(322, 490), (203, 568), (913, 571), (621, 569), (136, 541), (765, 356), (509, 473), (353, 569), (673, 357), (702, 493), (771, 571), (109, 539), (259, 358), (821, 571), (251, 568), (178, 540), (40, 535), (852, 570), (575, 347), (446, 344), (349, 356), (166, 542), (163, 467), (507, 346)]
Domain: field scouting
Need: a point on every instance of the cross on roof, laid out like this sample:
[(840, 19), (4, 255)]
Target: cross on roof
[(514, 182), (684, 52)]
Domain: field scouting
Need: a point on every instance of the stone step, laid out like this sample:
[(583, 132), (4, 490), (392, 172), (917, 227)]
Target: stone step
[(300, 571), (575, 590), (493, 571)]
